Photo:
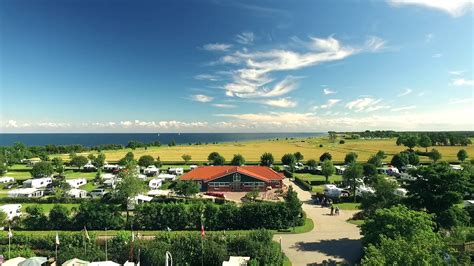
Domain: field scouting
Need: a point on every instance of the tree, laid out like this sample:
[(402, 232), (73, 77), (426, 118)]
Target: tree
[(327, 169), (325, 156), (130, 186), (424, 142), (384, 197), (351, 157), (462, 155), (79, 161), (57, 163), (3, 218), (437, 190), (311, 163), (413, 158), (99, 160), (267, 159), (59, 217), (97, 216), (219, 160), (352, 175), (410, 141), (370, 170), (158, 162), (186, 158), (212, 156), (298, 156), (35, 218), (42, 169), (253, 194), (400, 160), (186, 188), (288, 159), (293, 205), (146, 160), (238, 160), (3, 165), (377, 158), (127, 159), (435, 155)]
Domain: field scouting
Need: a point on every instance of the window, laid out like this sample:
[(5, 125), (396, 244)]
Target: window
[(237, 177)]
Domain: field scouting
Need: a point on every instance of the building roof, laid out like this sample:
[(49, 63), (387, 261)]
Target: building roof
[(33, 261), (209, 173)]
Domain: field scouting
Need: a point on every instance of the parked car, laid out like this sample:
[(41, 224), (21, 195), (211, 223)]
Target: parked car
[(98, 192), (10, 186)]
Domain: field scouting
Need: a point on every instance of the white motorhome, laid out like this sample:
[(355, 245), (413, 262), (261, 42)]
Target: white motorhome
[(151, 170), (12, 210), (340, 169), (111, 167), (166, 177), (361, 190), (176, 171), (37, 182), (334, 192), (132, 202), (7, 179), (76, 183), (77, 193), (25, 193), (89, 167), (155, 183)]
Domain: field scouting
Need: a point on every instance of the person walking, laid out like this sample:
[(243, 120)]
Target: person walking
[(332, 210), (337, 210)]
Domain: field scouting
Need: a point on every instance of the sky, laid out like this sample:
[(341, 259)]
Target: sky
[(236, 66)]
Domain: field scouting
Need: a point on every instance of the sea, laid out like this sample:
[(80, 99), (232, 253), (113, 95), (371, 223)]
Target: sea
[(92, 139)]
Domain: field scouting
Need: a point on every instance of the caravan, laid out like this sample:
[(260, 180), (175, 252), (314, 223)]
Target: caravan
[(12, 210), (37, 182)]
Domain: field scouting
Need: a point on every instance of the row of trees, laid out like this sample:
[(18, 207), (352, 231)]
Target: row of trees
[(432, 139)]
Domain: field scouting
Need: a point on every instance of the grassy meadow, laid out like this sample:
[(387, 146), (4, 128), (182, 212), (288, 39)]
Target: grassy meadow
[(309, 147)]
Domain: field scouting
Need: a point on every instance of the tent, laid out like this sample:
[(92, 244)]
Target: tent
[(14, 261), (104, 263), (75, 262), (33, 261)]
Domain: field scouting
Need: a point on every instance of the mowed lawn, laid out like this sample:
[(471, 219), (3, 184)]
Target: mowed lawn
[(309, 147)]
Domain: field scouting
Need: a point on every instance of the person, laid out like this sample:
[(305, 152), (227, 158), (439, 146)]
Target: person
[(316, 201), (337, 210), (332, 210)]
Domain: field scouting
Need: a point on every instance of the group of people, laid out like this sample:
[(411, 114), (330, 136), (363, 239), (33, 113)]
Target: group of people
[(327, 203)]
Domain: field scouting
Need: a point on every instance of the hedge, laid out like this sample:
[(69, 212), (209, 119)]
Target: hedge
[(303, 184)]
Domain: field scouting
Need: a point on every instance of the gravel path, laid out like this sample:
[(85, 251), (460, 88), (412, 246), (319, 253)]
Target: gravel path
[(332, 239)]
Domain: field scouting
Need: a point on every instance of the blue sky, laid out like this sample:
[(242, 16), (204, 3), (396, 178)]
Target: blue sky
[(236, 66)]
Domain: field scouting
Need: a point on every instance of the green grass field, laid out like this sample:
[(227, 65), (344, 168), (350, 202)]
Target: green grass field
[(48, 206), (252, 150)]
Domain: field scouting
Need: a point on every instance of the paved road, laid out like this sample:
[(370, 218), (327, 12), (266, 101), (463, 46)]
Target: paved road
[(332, 239)]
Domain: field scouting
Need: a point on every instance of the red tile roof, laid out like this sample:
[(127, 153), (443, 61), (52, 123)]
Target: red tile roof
[(208, 173)]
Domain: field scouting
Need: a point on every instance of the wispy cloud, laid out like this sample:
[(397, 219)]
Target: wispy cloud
[(403, 108), (245, 38), (221, 47), (328, 91), (201, 98), (366, 104), (224, 105), (456, 72), (455, 8), (460, 101), (462, 82), (330, 103), (429, 37), (374, 44), (208, 77), (282, 102), (405, 92), (438, 55)]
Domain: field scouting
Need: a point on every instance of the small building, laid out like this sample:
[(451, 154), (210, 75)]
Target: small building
[(193, 166), (151, 170), (75, 262), (155, 183), (176, 171), (166, 177), (77, 193), (76, 183), (6, 179), (25, 193), (235, 178), (12, 210), (37, 182)]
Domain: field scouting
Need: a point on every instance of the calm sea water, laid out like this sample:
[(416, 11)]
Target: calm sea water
[(92, 139)]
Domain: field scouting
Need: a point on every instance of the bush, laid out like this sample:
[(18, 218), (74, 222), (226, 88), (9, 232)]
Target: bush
[(342, 141)]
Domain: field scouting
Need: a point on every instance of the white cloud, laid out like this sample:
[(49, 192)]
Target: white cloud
[(460, 101), (245, 38), (455, 8), (206, 77), (367, 104), (429, 37), (405, 92), (374, 44), (282, 102), (456, 72), (328, 91), (330, 103), (221, 47), (201, 98), (273, 118), (462, 82), (403, 108), (224, 105), (11, 124), (438, 55)]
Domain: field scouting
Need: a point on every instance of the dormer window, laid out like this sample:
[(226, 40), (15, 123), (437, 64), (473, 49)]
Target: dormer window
[(236, 177)]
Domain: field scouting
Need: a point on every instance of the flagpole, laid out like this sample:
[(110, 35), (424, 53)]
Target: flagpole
[(9, 244), (84, 242), (106, 244)]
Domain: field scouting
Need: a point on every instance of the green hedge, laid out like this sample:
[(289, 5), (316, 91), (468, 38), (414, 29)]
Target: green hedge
[(303, 184)]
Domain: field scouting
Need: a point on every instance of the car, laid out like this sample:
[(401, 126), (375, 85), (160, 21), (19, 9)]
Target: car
[(10, 186), (98, 192)]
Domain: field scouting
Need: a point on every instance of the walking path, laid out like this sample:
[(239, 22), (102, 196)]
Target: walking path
[(332, 238)]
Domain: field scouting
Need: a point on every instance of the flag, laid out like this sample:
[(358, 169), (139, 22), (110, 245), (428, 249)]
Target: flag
[(133, 237), (86, 234), (10, 233), (57, 240), (203, 232)]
